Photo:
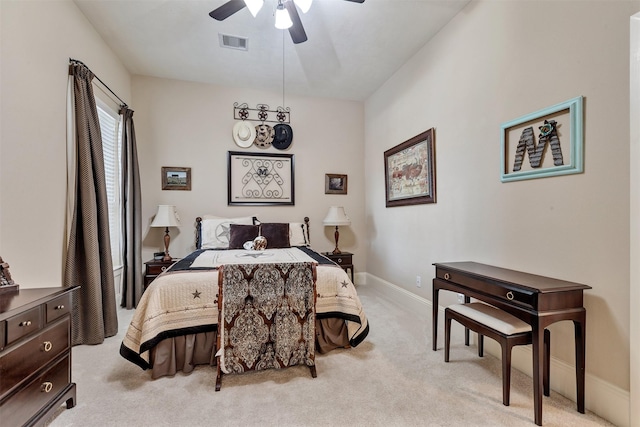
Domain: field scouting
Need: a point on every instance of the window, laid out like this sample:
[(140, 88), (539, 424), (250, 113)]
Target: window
[(110, 128)]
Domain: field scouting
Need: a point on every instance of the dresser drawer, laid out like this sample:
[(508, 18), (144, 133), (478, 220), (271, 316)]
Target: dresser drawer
[(20, 407), (58, 307), (28, 357), (23, 324), (3, 329), (502, 291)]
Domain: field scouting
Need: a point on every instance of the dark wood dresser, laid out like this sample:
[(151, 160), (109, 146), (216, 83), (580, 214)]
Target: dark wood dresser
[(35, 355)]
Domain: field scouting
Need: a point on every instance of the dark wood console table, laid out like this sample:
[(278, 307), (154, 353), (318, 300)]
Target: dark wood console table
[(537, 300)]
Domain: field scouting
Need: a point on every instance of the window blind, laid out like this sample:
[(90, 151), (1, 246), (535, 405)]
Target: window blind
[(110, 128)]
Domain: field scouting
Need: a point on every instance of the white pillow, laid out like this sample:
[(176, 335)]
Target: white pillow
[(215, 231), (296, 234)]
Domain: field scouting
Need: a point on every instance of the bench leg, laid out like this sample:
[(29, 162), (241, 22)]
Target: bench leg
[(447, 336), (506, 373), (480, 345)]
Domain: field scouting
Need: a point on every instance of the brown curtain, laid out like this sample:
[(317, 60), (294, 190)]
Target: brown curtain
[(131, 215), (88, 261)]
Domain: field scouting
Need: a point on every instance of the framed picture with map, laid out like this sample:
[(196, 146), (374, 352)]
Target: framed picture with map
[(410, 173)]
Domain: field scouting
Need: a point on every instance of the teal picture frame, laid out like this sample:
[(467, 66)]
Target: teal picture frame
[(568, 117)]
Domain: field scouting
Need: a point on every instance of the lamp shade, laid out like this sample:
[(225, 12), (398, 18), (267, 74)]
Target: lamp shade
[(336, 216), (166, 217)]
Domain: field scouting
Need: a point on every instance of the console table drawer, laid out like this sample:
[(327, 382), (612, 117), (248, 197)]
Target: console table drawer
[(58, 307), (498, 290), (25, 359), (19, 408), (23, 324)]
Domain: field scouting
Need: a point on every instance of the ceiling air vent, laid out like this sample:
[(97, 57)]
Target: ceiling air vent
[(233, 42)]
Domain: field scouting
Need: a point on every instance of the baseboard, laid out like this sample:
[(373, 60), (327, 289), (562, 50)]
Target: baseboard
[(602, 398), (360, 279)]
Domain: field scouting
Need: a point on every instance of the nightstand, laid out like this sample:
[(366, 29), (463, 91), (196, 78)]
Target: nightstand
[(154, 268), (344, 260)]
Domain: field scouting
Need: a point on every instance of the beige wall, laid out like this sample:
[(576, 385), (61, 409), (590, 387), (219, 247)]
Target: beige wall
[(189, 125), (38, 37), (494, 62)]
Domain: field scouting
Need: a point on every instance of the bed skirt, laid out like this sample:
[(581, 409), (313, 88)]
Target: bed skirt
[(184, 352)]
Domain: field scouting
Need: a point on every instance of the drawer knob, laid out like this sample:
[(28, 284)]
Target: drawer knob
[(47, 345), (26, 323), (339, 260), (447, 276), (509, 295), (46, 386), (59, 307), (163, 268)]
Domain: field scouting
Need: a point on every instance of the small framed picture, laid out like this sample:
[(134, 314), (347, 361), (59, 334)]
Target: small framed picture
[(335, 183), (174, 178)]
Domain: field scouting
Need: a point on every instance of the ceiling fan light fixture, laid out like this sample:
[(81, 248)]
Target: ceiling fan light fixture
[(283, 20), (304, 5), (254, 6)]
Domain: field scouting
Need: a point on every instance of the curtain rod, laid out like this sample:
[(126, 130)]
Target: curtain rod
[(124, 104)]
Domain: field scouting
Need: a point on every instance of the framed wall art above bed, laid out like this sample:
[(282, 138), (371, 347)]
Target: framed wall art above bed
[(260, 179)]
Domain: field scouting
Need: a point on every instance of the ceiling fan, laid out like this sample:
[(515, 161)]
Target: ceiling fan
[(286, 14)]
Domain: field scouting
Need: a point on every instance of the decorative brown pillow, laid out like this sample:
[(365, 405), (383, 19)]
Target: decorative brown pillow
[(240, 233), (276, 233)]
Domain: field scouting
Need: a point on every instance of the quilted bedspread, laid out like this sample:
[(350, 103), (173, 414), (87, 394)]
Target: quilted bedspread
[(184, 299)]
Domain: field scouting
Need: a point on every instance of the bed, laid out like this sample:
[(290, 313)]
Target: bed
[(174, 327)]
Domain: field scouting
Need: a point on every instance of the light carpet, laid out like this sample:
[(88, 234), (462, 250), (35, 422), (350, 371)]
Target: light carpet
[(392, 379)]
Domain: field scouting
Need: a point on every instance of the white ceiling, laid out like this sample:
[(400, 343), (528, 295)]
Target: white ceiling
[(351, 51)]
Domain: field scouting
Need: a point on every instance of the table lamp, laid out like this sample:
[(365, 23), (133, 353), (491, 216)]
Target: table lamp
[(166, 217), (336, 217)]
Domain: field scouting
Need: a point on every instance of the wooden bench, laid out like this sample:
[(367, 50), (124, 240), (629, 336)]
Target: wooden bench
[(501, 326)]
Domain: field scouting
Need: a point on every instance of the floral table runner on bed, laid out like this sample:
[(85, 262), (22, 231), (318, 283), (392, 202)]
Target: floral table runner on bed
[(267, 313)]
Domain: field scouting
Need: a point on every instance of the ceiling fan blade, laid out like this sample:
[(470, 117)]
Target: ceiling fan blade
[(227, 9), (298, 35)]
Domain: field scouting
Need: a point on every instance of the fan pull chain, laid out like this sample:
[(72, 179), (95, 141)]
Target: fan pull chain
[(283, 104)]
